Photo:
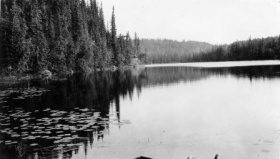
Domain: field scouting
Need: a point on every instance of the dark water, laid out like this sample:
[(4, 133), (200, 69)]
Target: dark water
[(167, 113)]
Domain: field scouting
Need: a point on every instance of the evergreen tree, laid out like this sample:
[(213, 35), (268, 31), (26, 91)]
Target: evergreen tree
[(59, 35), (128, 52), (113, 41), (136, 45), (121, 48), (76, 21), (106, 59), (19, 43), (39, 48)]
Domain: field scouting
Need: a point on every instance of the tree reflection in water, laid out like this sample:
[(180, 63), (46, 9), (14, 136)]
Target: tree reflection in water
[(60, 118)]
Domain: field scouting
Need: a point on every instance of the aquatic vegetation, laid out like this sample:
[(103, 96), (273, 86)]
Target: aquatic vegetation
[(46, 130), (21, 94)]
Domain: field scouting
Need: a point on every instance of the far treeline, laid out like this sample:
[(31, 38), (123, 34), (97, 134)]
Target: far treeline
[(168, 51), (61, 36), (252, 49)]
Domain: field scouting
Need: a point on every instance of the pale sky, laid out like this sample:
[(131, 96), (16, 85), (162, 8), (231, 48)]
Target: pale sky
[(213, 21)]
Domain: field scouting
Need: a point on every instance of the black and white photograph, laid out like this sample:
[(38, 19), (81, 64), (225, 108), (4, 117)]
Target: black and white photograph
[(139, 79)]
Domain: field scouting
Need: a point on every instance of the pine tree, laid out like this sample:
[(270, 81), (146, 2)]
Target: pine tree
[(76, 21), (5, 38), (96, 37), (16, 37), (19, 43), (121, 48), (106, 58), (69, 50), (59, 35), (113, 42), (136, 45), (39, 48), (128, 50)]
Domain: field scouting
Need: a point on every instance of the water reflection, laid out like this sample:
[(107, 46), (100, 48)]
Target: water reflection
[(172, 75), (253, 72), (55, 119), (61, 118)]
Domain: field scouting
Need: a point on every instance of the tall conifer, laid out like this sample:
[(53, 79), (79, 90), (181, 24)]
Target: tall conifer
[(114, 44)]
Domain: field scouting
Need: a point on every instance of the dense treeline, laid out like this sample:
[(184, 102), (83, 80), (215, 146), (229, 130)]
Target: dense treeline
[(256, 49), (165, 51), (61, 36), (168, 51)]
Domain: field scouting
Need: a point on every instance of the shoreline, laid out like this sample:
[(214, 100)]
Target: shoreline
[(13, 78), (17, 78), (219, 64)]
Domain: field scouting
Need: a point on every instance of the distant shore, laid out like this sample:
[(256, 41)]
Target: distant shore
[(13, 79), (218, 64)]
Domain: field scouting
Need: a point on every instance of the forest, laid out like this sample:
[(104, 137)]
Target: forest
[(169, 51), (61, 36), (66, 36), (166, 51), (251, 49)]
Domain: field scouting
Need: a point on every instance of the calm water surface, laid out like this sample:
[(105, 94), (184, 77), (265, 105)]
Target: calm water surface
[(162, 113)]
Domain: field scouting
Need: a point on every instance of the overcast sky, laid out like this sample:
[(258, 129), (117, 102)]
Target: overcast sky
[(213, 21)]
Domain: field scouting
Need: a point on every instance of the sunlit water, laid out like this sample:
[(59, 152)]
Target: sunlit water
[(163, 113)]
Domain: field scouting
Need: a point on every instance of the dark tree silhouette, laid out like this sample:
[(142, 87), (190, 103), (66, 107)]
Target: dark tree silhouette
[(60, 35)]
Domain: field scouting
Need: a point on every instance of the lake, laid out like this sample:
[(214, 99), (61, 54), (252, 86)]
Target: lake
[(159, 112)]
